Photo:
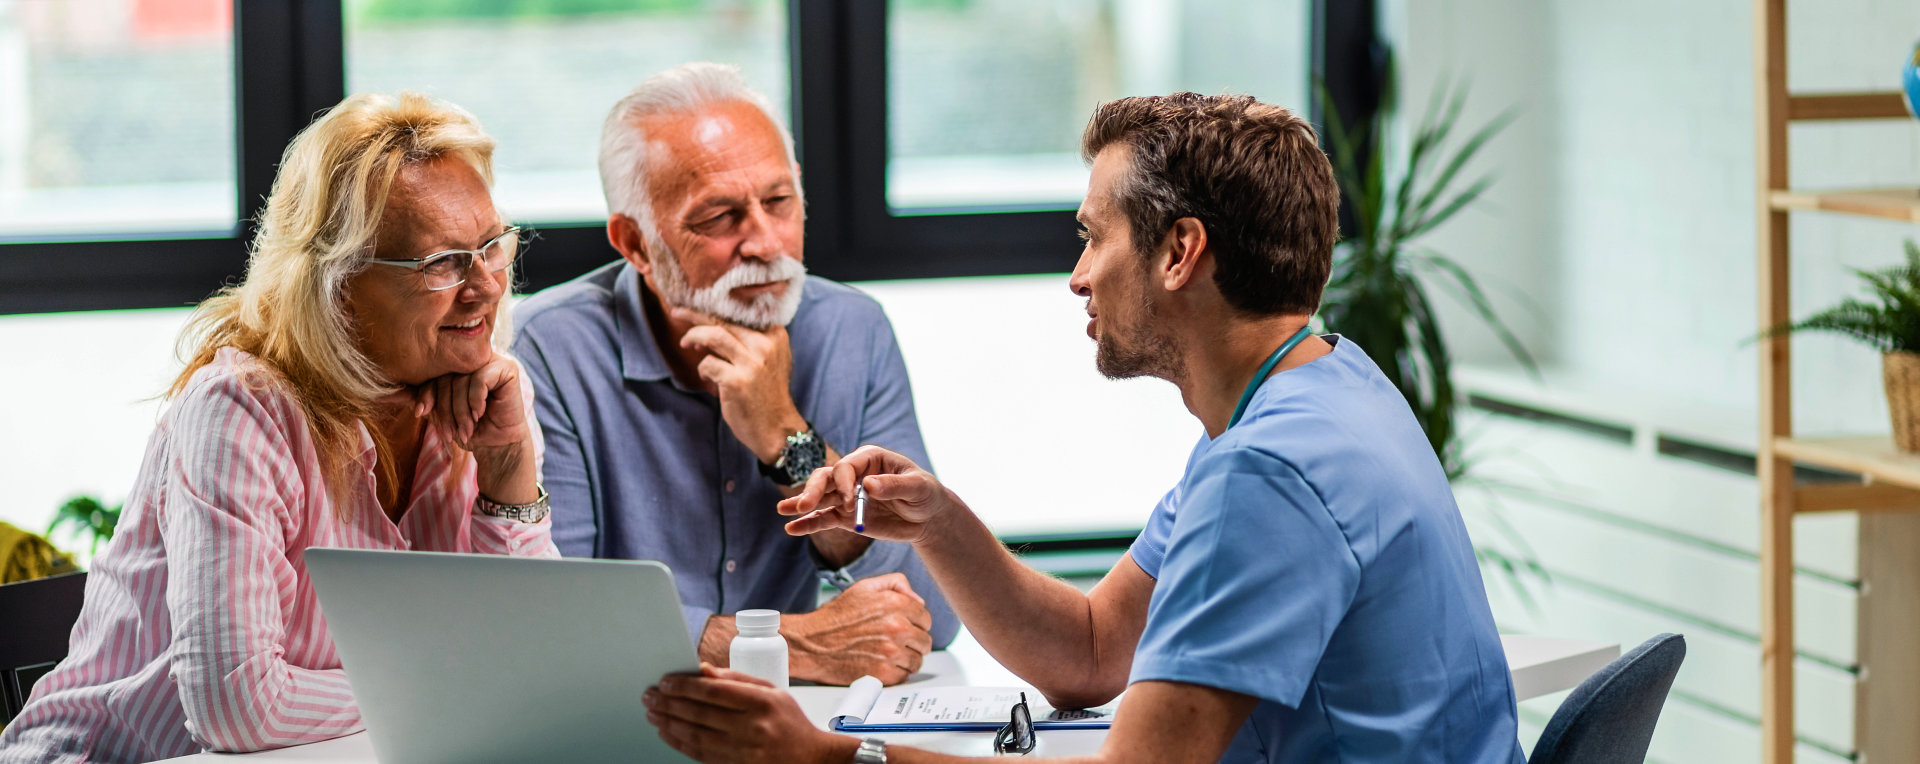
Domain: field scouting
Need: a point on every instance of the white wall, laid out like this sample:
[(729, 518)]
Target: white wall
[(1625, 205), (1626, 210), (1496, 48)]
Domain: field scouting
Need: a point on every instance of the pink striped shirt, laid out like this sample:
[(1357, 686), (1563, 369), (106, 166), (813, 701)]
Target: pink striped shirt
[(200, 628)]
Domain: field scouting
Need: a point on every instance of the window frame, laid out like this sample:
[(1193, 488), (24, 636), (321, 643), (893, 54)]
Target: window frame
[(285, 57), (862, 238), (290, 63)]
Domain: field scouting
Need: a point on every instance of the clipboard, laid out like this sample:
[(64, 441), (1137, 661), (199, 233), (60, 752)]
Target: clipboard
[(869, 707)]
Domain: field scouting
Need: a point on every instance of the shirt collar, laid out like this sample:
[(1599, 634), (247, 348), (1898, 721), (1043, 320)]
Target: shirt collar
[(640, 358), (369, 455)]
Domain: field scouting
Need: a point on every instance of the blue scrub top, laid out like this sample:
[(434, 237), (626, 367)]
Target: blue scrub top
[(1313, 557)]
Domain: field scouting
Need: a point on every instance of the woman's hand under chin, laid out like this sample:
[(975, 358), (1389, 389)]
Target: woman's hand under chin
[(483, 413)]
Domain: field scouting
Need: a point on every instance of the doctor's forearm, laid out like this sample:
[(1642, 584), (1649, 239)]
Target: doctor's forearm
[(1039, 627)]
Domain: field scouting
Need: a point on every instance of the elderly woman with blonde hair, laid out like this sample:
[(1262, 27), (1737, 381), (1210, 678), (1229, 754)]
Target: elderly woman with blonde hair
[(347, 393)]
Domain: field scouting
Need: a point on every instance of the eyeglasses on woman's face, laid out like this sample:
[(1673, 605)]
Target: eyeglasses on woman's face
[(449, 268)]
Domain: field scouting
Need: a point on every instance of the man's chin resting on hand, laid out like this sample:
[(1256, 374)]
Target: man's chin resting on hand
[(686, 389)]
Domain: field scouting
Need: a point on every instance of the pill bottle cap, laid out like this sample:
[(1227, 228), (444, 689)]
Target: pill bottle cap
[(766, 621)]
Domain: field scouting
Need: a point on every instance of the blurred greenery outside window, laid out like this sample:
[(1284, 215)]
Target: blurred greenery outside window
[(116, 117), (541, 75), (986, 99)]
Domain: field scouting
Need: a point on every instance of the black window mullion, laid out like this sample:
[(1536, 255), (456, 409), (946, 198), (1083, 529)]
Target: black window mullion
[(818, 65), (1349, 59), (290, 65), (48, 277), (883, 245)]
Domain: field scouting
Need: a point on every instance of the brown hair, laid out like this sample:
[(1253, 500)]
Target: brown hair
[(1254, 176)]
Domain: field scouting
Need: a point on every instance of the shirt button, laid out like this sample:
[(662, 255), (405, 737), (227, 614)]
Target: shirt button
[(731, 566), (729, 486)]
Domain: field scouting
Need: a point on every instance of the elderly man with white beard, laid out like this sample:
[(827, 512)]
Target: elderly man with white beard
[(686, 389)]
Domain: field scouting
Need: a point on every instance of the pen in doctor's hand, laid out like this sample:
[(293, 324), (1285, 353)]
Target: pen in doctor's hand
[(859, 509)]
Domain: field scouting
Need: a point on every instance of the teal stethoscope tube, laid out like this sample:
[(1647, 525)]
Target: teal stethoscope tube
[(1265, 369)]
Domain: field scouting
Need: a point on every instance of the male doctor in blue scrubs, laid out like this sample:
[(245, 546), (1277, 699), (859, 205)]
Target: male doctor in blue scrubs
[(1306, 593)]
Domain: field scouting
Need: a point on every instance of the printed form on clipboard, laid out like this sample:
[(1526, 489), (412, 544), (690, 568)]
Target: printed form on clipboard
[(871, 708)]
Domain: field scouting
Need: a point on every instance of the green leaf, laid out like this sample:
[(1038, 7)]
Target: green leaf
[(1890, 322), (1435, 387), (1476, 299), (94, 520), (1458, 203), (1427, 137), (1460, 159)]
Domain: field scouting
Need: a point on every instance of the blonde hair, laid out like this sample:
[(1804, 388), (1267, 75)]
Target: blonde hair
[(317, 230)]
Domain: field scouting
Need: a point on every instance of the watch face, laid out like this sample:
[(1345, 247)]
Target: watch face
[(804, 454)]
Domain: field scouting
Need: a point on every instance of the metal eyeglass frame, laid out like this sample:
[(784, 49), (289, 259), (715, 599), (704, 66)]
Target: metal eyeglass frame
[(420, 264), (1017, 735)]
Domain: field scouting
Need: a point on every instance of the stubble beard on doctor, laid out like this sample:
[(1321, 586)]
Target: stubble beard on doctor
[(763, 312), (1129, 345)]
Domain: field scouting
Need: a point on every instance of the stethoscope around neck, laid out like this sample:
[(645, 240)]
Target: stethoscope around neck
[(1265, 369)]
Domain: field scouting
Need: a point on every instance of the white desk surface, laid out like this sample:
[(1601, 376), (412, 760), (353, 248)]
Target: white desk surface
[(1540, 665)]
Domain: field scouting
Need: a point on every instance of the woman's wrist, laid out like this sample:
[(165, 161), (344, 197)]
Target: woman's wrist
[(506, 474)]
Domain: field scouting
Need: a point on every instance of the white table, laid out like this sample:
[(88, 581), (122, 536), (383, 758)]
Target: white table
[(1545, 665), (1540, 665)]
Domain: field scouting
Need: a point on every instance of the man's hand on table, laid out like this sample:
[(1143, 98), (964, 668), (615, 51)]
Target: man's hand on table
[(877, 627)]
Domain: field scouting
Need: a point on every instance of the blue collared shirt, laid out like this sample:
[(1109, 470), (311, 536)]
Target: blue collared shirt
[(1313, 558), (640, 467)]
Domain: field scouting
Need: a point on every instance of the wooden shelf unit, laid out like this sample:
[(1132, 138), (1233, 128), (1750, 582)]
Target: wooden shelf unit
[(1888, 690), (1816, 106), (1902, 204), (1873, 458)]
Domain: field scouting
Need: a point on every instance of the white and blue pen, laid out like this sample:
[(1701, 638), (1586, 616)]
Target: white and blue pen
[(859, 509)]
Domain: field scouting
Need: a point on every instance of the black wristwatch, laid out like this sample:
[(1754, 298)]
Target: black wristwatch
[(804, 453)]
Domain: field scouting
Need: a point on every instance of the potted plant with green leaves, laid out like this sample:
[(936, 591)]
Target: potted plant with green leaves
[(1379, 292), (1889, 323), (95, 521)]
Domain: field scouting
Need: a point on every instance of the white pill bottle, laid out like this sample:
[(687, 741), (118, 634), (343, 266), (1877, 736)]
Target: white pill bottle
[(759, 649)]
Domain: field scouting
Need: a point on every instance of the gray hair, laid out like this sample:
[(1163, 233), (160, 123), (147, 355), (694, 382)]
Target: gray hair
[(624, 163)]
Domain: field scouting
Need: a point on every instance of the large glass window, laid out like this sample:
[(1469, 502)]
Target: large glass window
[(986, 98), (541, 74), (116, 118)]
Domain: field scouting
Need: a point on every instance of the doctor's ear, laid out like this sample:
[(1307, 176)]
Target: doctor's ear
[(1184, 247)]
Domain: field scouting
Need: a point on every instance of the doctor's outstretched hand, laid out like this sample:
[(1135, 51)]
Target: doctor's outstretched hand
[(904, 502)]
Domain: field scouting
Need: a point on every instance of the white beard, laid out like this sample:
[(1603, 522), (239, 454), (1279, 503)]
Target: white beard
[(764, 312)]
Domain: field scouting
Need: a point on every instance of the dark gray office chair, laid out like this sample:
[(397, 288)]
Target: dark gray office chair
[(1609, 718), (39, 615)]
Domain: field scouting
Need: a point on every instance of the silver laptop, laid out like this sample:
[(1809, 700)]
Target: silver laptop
[(480, 658)]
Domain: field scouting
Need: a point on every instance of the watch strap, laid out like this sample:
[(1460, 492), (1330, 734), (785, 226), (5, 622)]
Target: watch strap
[(776, 471), (530, 512), (872, 750)]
